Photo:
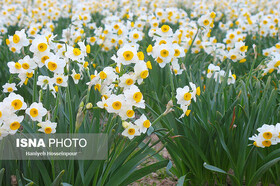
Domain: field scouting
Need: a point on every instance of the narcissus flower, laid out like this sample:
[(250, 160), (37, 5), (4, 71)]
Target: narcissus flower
[(183, 95), (15, 101), (135, 35), (134, 96), (12, 124), (9, 87), (126, 111), (91, 40), (143, 123), (115, 103), (77, 54), (47, 127), (163, 54), (76, 76), (40, 46), (107, 75), (176, 67), (141, 71), (60, 80), (205, 21), (231, 78), (102, 104), (164, 31), (44, 82), (127, 80), (212, 69), (131, 131), (18, 40), (36, 111), (267, 131), (194, 91), (186, 111), (126, 55), (27, 64), (55, 64), (178, 51), (260, 141), (15, 67), (268, 135), (41, 58)]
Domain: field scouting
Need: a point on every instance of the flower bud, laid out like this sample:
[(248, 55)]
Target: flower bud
[(125, 124), (168, 107), (89, 106)]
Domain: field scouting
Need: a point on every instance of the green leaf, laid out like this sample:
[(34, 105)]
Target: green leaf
[(19, 181), (27, 127), (81, 168), (123, 155), (91, 171), (2, 171), (216, 169), (30, 184), (61, 42), (44, 173), (150, 131), (144, 171), (26, 179), (213, 168), (126, 169), (66, 184), (181, 181), (58, 179), (254, 179), (168, 167)]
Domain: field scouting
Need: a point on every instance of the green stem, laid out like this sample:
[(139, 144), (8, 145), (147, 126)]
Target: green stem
[(190, 48), (56, 106), (251, 71), (111, 120), (172, 84), (70, 109), (34, 92), (34, 85), (53, 170), (158, 118), (87, 100)]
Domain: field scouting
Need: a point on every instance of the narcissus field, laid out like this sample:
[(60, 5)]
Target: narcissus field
[(198, 79)]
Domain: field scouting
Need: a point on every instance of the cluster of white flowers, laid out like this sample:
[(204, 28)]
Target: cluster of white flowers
[(119, 90), (218, 74), (51, 55), (120, 28), (184, 97), (132, 28), (268, 135), (166, 48), (10, 119), (45, 54), (137, 128), (272, 63)]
